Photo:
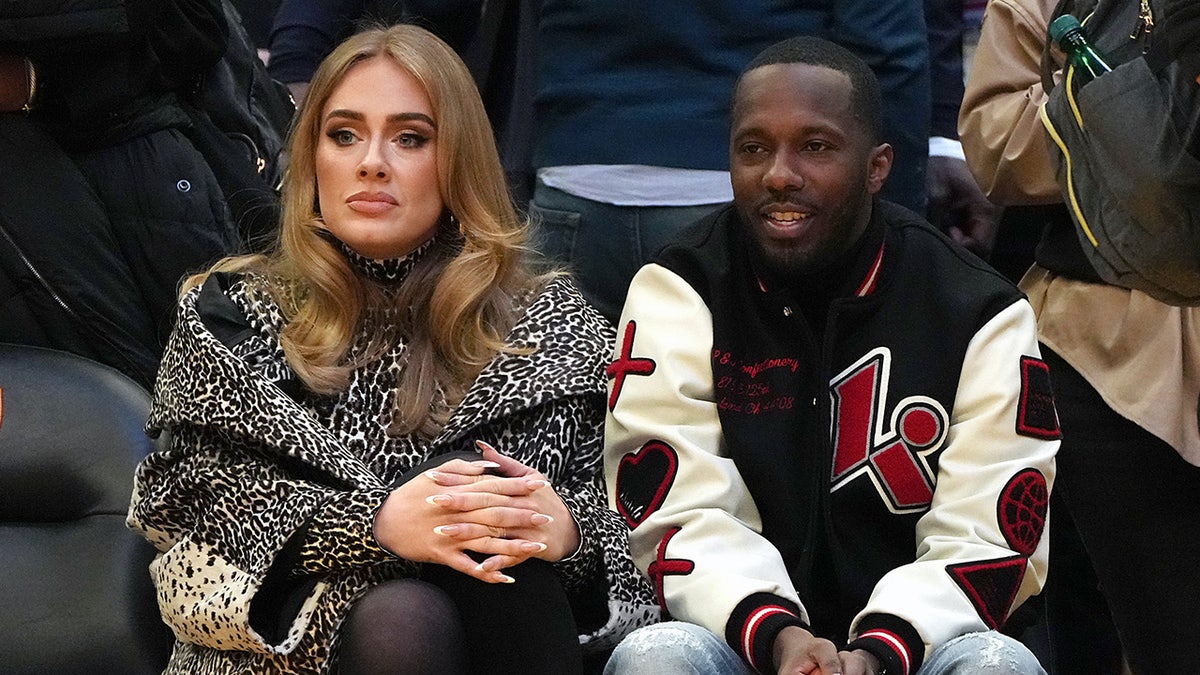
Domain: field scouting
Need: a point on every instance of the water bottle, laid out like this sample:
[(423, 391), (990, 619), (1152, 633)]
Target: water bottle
[(1068, 34)]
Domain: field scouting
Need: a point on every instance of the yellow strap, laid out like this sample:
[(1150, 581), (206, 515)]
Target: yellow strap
[(1070, 85), (1070, 180)]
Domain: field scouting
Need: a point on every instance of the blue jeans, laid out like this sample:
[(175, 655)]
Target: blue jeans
[(603, 245), (687, 649)]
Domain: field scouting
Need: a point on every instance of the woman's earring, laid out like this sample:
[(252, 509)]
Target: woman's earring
[(462, 230)]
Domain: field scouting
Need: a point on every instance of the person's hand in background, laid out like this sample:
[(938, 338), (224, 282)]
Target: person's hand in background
[(958, 207)]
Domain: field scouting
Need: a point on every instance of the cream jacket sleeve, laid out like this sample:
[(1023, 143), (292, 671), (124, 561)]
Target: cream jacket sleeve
[(701, 545)]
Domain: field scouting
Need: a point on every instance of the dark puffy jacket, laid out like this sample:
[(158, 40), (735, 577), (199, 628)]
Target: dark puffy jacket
[(105, 204)]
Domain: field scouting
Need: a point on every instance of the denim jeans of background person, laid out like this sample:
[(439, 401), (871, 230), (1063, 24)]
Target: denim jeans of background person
[(687, 649), (605, 244)]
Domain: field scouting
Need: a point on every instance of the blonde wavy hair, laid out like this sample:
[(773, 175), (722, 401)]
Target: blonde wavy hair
[(458, 304)]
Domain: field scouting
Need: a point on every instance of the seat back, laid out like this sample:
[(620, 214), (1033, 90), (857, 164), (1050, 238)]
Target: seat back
[(75, 592)]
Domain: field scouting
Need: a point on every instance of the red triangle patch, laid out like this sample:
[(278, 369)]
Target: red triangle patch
[(991, 586)]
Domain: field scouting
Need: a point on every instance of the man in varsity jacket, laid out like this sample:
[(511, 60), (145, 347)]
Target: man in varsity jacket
[(830, 432)]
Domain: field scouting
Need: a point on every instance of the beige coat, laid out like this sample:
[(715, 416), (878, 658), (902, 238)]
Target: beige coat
[(1143, 356)]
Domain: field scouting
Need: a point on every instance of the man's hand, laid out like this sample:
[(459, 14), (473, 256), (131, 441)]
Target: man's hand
[(958, 207), (797, 652), (859, 662)]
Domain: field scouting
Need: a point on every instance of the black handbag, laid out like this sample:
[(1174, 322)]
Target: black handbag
[(1123, 148)]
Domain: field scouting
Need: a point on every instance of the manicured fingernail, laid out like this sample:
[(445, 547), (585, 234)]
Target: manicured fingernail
[(433, 476), (533, 547), (446, 530), (538, 484), (483, 445), (505, 579), (482, 567), (486, 464), (541, 519), (438, 500)]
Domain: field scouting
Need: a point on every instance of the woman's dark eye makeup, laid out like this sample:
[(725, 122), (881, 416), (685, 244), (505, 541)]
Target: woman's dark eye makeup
[(406, 139), (342, 136), (411, 139)]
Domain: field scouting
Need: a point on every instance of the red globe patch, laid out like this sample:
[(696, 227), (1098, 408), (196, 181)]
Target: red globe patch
[(1021, 510)]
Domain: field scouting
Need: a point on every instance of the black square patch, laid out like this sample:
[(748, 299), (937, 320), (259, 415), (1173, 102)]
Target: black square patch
[(1036, 415)]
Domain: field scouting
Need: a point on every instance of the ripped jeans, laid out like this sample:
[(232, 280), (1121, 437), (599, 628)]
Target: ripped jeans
[(687, 649)]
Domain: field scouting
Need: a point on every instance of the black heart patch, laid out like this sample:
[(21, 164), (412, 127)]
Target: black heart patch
[(643, 480)]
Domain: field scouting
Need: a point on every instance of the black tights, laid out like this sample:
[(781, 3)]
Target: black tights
[(402, 626), (446, 622)]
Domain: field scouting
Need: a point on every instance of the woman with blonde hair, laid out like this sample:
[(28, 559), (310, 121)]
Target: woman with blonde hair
[(385, 435)]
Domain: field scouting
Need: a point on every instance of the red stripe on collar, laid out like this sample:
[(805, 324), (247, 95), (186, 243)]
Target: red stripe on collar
[(868, 285)]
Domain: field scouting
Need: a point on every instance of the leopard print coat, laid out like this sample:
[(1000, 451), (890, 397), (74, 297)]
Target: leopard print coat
[(261, 504)]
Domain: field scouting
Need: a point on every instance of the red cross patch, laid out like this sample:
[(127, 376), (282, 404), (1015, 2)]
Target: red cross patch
[(626, 365), (663, 567)]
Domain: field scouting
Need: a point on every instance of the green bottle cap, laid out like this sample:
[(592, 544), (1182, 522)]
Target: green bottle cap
[(1061, 26)]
